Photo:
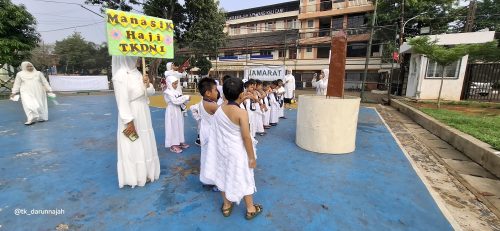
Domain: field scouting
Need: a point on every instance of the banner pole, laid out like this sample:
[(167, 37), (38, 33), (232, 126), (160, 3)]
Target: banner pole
[(143, 66)]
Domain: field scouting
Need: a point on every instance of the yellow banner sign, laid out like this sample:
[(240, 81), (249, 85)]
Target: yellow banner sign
[(139, 35)]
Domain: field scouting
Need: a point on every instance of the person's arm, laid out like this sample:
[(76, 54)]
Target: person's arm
[(176, 100), (17, 86), (44, 82), (247, 140), (122, 101)]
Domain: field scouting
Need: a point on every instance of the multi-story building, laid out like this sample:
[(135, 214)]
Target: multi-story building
[(265, 35), (298, 34)]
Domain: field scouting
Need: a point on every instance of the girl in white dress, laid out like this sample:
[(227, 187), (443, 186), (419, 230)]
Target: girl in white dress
[(138, 160), (33, 87), (174, 121)]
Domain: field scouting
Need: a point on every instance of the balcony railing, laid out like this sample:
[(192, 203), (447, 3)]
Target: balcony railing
[(333, 5), (329, 31)]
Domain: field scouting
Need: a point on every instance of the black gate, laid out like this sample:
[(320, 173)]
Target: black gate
[(482, 82)]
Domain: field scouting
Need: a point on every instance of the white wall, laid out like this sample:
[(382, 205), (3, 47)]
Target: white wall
[(429, 88)]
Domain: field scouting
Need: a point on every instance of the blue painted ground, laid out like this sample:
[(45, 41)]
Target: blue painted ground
[(70, 163)]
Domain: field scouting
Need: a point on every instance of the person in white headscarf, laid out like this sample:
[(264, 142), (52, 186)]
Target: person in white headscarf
[(33, 87), (138, 161), (172, 70), (322, 83), (174, 121), (289, 81)]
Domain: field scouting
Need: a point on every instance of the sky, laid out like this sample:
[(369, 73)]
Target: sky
[(57, 21)]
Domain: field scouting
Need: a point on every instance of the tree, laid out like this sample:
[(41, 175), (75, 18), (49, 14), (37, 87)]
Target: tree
[(487, 52), (18, 35), (486, 16), (123, 5), (76, 55), (202, 63), (433, 13), (199, 24), (41, 57), (442, 55), (206, 22)]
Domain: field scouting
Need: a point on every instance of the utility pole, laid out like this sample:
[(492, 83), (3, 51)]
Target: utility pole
[(471, 16), (401, 39), (401, 25), (368, 53)]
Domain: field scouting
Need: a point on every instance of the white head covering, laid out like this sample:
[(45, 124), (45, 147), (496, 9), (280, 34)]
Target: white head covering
[(169, 66), (126, 63), (326, 72), (24, 69), (170, 80), (289, 69), (217, 82)]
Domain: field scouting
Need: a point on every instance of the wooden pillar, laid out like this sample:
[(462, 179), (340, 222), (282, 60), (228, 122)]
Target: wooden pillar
[(336, 77)]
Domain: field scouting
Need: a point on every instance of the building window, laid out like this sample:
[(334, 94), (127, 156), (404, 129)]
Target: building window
[(252, 28), (356, 50), (282, 53), (356, 20), (291, 24), (310, 23), (266, 52), (309, 49), (235, 30), (436, 71), (338, 23), (323, 51), (292, 53), (270, 26)]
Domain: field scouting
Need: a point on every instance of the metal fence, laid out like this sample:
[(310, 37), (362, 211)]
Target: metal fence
[(482, 82)]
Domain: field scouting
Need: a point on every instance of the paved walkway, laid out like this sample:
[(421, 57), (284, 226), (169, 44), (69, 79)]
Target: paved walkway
[(69, 163), (468, 191)]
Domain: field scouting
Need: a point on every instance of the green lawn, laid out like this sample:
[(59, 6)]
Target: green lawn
[(484, 127)]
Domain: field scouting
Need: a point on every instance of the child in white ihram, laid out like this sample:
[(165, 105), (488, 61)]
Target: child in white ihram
[(231, 158), (207, 108)]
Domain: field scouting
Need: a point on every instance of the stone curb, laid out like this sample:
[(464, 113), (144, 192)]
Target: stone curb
[(478, 151)]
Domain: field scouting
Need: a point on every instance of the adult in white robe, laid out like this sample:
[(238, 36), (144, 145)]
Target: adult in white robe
[(138, 160), (322, 83), (227, 159), (33, 87), (174, 121), (289, 81)]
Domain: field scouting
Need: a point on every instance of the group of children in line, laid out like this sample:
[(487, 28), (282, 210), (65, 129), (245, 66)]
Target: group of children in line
[(229, 117)]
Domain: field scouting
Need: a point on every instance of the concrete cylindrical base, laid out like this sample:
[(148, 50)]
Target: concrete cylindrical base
[(327, 125)]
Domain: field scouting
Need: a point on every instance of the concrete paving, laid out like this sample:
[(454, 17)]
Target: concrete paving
[(469, 192), (69, 163)]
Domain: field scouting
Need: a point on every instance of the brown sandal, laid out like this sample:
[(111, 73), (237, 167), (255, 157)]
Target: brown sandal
[(226, 212), (251, 215)]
